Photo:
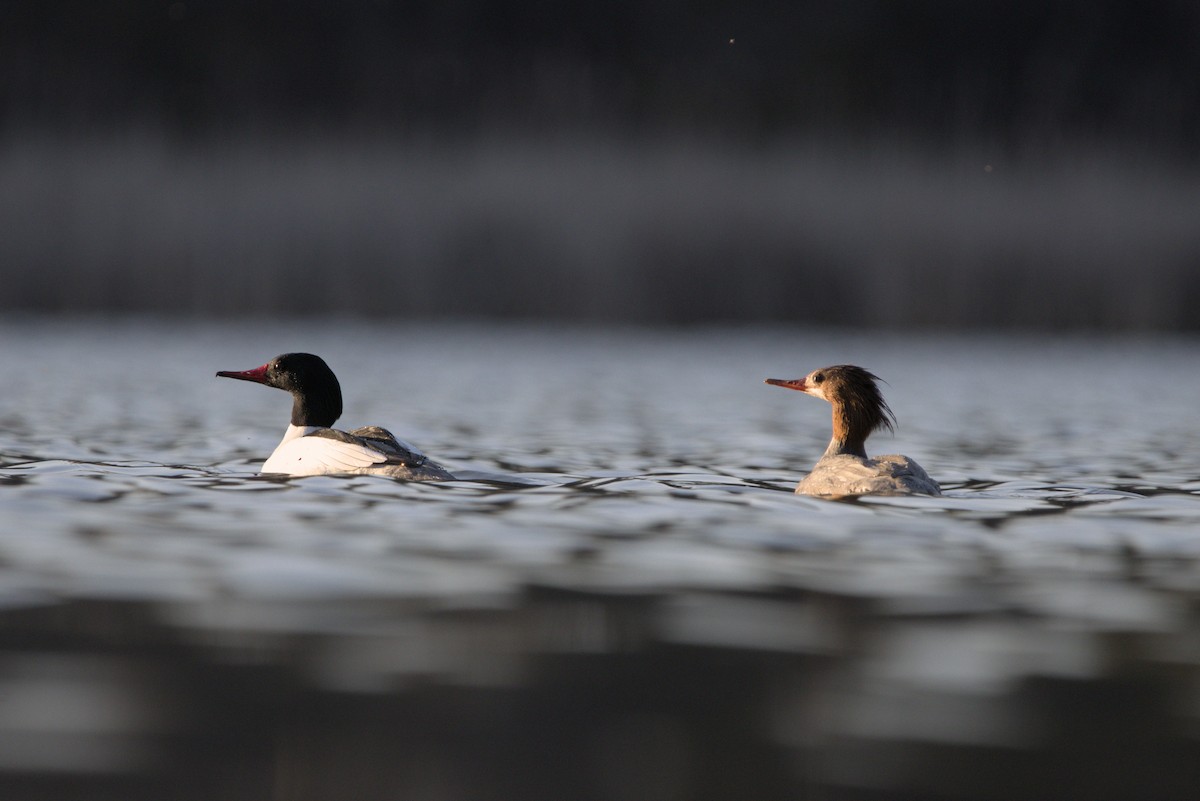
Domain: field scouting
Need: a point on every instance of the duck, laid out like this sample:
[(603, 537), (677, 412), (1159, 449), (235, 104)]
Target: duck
[(311, 446), (844, 469)]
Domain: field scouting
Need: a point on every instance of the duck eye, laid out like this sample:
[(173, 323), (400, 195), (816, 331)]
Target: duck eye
[(818, 378)]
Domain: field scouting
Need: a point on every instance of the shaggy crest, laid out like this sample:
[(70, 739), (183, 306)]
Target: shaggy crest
[(862, 405)]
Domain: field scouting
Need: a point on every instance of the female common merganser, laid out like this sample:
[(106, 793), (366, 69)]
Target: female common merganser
[(310, 447), (858, 409)]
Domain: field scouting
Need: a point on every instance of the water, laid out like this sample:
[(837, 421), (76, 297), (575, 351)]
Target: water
[(621, 598)]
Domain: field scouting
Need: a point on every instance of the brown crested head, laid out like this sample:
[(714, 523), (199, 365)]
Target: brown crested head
[(859, 407), (856, 391)]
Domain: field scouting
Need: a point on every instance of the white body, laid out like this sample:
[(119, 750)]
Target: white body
[(846, 474), (299, 454)]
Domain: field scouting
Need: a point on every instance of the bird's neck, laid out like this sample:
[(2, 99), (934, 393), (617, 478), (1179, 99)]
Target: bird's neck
[(316, 409), (846, 440)]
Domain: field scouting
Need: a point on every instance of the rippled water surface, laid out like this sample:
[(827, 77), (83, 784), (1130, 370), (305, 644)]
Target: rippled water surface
[(622, 565)]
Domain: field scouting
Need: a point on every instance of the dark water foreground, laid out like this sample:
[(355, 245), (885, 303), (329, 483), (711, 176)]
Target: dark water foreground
[(777, 693), (621, 598)]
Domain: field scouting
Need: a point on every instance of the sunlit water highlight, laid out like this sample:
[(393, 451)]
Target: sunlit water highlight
[(622, 470)]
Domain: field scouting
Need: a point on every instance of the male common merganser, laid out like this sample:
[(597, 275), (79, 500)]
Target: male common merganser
[(310, 447), (858, 409)]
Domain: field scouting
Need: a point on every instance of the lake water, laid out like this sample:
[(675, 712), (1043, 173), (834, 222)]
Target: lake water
[(622, 598)]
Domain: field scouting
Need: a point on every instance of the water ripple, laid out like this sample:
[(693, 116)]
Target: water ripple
[(604, 513)]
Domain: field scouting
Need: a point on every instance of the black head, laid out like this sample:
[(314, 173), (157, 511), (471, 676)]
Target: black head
[(315, 389)]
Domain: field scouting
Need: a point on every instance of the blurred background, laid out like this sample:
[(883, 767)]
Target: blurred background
[(695, 196), (902, 164)]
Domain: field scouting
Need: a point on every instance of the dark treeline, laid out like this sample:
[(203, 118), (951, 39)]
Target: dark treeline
[(1012, 75), (599, 232), (866, 162)]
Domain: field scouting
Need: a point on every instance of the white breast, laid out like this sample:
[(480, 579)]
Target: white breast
[(301, 455)]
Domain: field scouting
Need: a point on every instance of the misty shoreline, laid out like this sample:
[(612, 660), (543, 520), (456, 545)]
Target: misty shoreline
[(669, 231)]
